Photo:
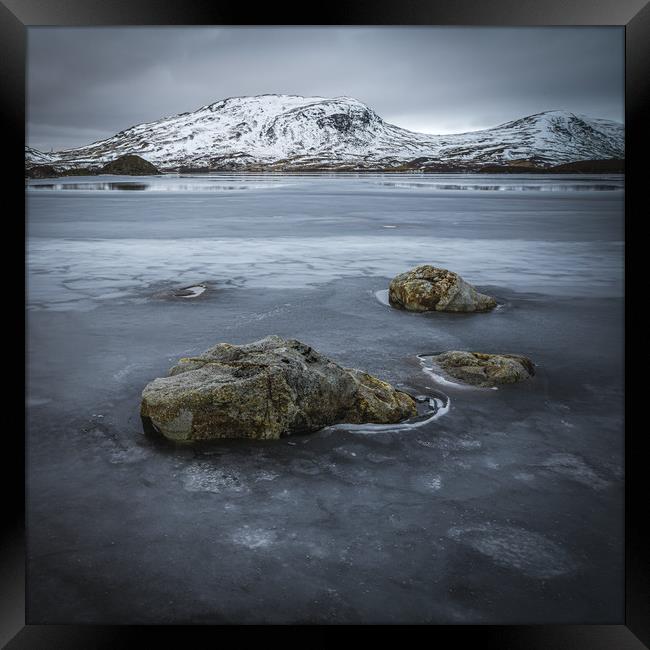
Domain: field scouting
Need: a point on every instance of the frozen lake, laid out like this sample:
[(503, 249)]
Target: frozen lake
[(507, 508)]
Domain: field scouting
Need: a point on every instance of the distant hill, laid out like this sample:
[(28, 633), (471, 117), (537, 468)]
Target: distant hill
[(290, 132)]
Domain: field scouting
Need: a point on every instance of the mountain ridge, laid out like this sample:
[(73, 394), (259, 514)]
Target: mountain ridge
[(293, 132)]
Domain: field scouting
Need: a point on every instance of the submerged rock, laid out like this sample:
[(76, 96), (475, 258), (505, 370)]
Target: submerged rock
[(266, 389), (481, 369), (428, 288)]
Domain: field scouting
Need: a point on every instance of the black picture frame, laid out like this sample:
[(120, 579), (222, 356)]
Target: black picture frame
[(17, 15)]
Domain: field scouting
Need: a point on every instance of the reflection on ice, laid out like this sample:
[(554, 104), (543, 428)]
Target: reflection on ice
[(223, 182), (87, 186), (511, 187), (163, 183), (151, 187)]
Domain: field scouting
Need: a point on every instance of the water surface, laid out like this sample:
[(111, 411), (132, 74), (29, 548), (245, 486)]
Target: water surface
[(506, 507)]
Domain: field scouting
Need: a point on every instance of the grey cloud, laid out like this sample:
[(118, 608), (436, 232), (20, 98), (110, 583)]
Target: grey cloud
[(88, 83)]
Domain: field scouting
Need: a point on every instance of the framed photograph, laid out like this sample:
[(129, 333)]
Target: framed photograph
[(325, 323)]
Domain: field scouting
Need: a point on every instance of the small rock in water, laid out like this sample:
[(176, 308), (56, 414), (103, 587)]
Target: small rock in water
[(190, 292), (266, 389), (486, 370), (428, 288)]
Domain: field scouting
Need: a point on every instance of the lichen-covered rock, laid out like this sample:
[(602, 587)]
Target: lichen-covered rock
[(266, 389), (481, 369), (428, 288)]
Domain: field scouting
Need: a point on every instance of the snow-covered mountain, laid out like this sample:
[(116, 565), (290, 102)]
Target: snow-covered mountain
[(294, 132), (36, 157)]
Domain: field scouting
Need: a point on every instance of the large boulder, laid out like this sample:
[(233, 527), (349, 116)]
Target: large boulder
[(266, 389), (480, 369), (129, 165), (428, 288)]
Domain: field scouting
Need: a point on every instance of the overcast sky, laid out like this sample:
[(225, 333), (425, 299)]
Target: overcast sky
[(85, 84)]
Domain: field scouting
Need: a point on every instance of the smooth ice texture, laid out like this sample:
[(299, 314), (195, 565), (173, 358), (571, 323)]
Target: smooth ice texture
[(284, 232), (491, 507)]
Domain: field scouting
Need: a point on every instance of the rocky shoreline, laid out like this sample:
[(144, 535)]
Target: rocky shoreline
[(132, 164), (127, 165), (418, 166)]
